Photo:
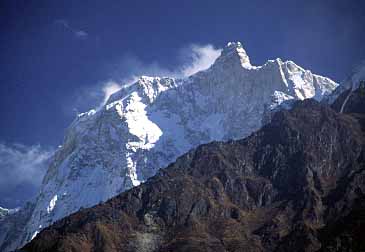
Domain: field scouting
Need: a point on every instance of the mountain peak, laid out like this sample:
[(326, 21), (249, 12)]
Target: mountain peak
[(234, 52), (233, 46), (148, 124)]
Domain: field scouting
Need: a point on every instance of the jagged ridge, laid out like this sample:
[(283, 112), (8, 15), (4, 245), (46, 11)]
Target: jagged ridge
[(149, 124)]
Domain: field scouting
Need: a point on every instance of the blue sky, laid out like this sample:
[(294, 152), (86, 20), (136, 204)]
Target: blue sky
[(56, 56)]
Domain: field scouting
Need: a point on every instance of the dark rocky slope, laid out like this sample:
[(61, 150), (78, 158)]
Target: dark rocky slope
[(298, 184)]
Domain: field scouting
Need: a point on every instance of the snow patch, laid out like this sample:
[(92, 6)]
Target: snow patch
[(52, 204), (34, 235), (89, 113), (139, 125)]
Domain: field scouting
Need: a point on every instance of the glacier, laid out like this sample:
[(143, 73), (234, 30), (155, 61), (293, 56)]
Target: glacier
[(145, 126)]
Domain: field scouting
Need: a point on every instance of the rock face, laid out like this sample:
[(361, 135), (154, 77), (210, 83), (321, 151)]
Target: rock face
[(147, 125), (298, 184), (12, 226), (349, 96)]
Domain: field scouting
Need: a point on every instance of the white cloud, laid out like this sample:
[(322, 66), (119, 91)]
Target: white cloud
[(81, 34), (191, 59), (23, 163), (110, 88), (22, 167), (201, 58)]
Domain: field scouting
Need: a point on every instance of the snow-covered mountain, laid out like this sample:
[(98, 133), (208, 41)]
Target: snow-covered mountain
[(349, 85), (147, 125)]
